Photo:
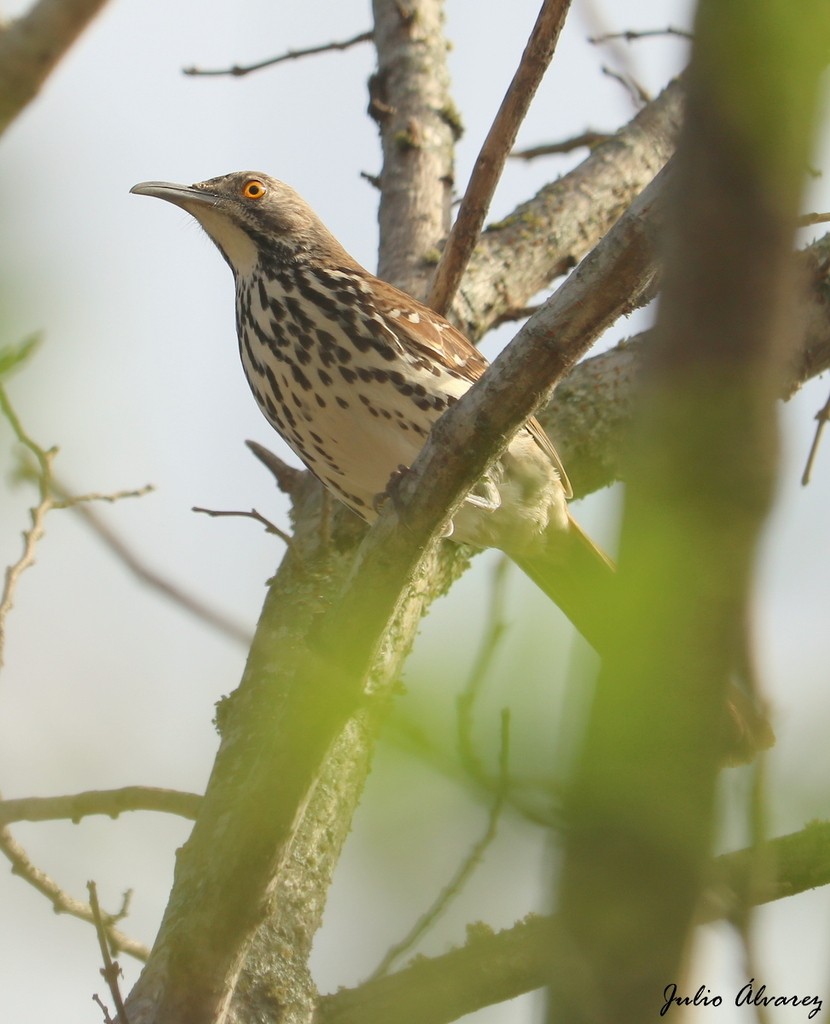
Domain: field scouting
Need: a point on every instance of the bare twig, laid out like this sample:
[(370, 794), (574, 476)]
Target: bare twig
[(587, 138), (111, 802), (494, 153), (465, 869), (237, 71), (104, 1008), (638, 93), (622, 56), (72, 500), (55, 495), (630, 36), (174, 591), (822, 417), (110, 971), (493, 632), (807, 219), (37, 513), (531, 797), (61, 901), (252, 514)]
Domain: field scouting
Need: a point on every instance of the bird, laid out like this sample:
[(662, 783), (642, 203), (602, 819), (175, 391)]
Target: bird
[(352, 373)]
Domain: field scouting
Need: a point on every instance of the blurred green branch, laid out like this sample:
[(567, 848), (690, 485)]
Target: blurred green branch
[(492, 967)]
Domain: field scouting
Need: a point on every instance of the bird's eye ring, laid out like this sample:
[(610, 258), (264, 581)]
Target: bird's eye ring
[(253, 189)]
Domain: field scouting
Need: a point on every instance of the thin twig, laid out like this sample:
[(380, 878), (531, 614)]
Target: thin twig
[(111, 802), (53, 494), (630, 36), (237, 70), (61, 901), (110, 971), (807, 219), (465, 869), (252, 514), (638, 93), (121, 549), (92, 497), (104, 1008), (822, 417), (490, 163), (587, 138), (493, 967), (532, 797), (37, 513), (494, 630)]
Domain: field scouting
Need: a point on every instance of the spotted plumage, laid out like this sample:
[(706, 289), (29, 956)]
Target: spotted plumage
[(353, 373)]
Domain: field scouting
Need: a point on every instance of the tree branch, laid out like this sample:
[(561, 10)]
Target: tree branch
[(237, 71), (590, 414), (31, 46), (410, 101), (492, 967), (294, 740), (110, 971), (567, 218), (699, 486), (474, 431), (191, 603), (111, 802), (61, 901), (490, 162)]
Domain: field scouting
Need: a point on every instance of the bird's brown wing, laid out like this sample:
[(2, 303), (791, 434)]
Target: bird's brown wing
[(438, 340)]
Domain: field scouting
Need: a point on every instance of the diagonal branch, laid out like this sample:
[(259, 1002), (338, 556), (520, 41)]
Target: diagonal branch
[(591, 411), (474, 431), (494, 153), (567, 218), (31, 46)]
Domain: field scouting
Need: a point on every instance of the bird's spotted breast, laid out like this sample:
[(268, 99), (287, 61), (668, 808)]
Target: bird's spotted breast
[(315, 349)]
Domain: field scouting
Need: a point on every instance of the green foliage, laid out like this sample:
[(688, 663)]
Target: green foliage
[(762, 59), (13, 356)]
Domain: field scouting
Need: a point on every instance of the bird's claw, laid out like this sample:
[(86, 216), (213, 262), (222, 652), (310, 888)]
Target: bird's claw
[(392, 491), (489, 500)]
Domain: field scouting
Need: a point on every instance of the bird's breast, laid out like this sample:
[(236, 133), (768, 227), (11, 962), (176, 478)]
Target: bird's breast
[(336, 380)]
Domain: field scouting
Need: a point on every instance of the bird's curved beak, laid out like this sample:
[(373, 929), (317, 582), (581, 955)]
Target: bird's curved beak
[(179, 195)]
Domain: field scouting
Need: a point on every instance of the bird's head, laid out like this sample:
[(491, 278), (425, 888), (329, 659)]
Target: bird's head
[(252, 218)]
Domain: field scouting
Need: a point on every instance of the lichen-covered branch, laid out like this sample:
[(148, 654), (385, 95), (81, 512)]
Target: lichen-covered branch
[(494, 966), (548, 235), (411, 104)]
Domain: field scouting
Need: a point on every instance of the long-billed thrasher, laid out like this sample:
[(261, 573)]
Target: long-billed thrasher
[(353, 373)]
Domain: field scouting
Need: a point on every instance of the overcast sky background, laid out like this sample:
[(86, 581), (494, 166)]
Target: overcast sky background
[(138, 381)]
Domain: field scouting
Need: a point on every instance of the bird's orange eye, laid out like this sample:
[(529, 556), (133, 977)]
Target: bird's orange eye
[(253, 189)]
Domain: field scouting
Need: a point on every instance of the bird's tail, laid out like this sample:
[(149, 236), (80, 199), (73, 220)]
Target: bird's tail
[(579, 577)]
